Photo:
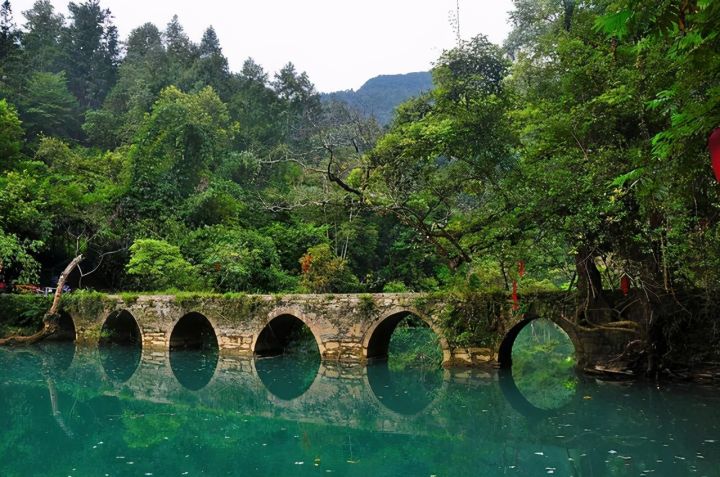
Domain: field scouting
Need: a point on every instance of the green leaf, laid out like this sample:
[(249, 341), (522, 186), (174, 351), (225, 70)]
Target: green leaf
[(614, 24), (633, 175)]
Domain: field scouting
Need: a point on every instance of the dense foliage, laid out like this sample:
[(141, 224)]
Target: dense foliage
[(578, 148)]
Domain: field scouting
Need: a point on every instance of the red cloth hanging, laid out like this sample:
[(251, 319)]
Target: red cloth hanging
[(521, 268), (625, 284), (515, 299), (714, 148)]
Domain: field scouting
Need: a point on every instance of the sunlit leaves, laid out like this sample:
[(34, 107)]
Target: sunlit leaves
[(158, 265)]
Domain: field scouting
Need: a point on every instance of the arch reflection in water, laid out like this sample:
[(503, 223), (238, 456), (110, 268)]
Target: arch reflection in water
[(406, 391), (58, 356), (288, 377), (120, 346), (194, 351), (542, 366)]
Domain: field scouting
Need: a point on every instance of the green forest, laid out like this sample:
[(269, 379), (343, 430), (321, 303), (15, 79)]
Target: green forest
[(577, 149)]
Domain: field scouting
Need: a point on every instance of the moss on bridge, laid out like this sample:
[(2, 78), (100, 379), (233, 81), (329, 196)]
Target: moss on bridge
[(480, 319)]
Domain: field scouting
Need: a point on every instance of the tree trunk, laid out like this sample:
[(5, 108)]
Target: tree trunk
[(594, 305), (653, 300), (655, 285), (52, 318)]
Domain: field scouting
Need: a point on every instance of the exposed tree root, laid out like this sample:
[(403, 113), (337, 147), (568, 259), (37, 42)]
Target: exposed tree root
[(51, 320)]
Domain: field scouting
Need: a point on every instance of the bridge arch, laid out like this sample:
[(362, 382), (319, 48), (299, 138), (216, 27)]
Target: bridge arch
[(121, 327), (506, 346), (376, 340), (193, 330), (274, 332), (523, 406), (66, 328)]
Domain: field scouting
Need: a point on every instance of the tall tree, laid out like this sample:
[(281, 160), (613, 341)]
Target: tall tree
[(11, 66), (440, 163), (301, 102), (181, 52), (144, 72), (211, 66), (256, 108), (42, 38), (92, 52), (48, 107), (179, 142), (11, 134), (9, 34), (144, 41)]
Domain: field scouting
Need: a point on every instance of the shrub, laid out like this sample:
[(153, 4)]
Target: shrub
[(158, 265), (325, 272)]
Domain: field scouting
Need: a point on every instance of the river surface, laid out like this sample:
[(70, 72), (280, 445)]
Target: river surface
[(67, 411)]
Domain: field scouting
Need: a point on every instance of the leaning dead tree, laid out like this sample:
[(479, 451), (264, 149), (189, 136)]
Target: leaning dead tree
[(51, 320)]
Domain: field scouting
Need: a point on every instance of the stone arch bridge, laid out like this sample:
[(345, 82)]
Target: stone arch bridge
[(347, 328)]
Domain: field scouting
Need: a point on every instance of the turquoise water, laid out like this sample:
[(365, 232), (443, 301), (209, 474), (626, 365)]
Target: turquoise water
[(79, 412)]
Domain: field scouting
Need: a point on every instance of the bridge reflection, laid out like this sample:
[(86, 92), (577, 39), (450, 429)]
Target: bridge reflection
[(407, 392), (287, 377), (119, 362), (301, 388), (194, 369)]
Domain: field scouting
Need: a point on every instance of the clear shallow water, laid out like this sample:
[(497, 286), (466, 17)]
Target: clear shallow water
[(78, 412)]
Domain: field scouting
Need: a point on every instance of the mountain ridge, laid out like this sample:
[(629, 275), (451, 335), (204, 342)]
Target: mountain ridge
[(380, 95)]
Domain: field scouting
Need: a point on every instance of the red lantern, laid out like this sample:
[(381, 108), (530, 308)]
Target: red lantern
[(521, 268), (625, 284), (714, 148), (515, 299)]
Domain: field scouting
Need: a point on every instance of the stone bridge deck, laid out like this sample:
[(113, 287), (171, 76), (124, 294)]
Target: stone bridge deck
[(347, 328)]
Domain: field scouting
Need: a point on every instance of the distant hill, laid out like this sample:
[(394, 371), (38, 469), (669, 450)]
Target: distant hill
[(380, 96)]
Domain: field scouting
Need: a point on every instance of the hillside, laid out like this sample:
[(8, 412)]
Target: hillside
[(380, 96)]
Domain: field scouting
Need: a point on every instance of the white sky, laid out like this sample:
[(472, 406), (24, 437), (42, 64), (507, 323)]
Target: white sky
[(340, 43)]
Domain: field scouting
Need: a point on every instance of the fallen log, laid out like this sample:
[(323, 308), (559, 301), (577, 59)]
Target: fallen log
[(51, 319)]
